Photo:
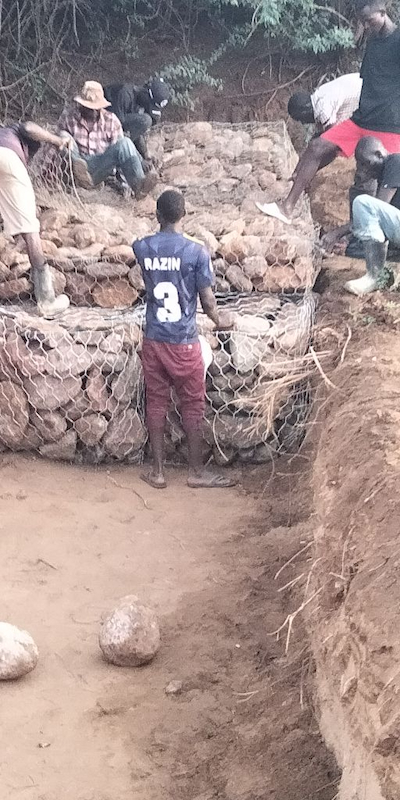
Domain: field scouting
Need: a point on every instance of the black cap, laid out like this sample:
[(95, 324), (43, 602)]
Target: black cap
[(160, 92)]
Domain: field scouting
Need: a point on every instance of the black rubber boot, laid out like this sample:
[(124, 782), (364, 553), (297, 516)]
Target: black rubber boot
[(355, 248), (375, 260), (48, 304), (364, 183)]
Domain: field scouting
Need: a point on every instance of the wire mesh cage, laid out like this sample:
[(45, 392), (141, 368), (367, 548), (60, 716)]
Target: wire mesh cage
[(73, 388), (258, 385)]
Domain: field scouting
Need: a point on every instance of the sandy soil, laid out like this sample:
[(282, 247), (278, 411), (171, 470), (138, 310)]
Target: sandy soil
[(355, 628), (73, 542)]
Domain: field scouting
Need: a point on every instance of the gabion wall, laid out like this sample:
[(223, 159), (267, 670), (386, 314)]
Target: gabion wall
[(73, 388)]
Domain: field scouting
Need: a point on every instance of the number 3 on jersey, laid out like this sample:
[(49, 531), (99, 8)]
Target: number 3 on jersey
[(167, 292)]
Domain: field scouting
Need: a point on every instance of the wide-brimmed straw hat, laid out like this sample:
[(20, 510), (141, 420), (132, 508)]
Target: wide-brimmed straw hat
[(92, 96)]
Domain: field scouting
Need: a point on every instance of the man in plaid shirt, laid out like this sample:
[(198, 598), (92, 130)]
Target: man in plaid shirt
[(99, 146), (91, 139)]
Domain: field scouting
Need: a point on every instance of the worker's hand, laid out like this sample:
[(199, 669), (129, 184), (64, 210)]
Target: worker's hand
[(329, 240), (65, 144)]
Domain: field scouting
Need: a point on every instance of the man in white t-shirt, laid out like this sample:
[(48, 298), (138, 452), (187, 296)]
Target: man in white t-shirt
[(331, 103)]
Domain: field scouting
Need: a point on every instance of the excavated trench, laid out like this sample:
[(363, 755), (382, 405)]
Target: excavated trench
[(353, 619), (280, 612), (278, 605)]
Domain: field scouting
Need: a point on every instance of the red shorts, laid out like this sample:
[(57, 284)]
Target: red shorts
[(179, 366), (347, 134)]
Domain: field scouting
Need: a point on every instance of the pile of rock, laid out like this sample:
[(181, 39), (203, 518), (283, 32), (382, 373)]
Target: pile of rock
[(93, 267), (224, 170), (71, 390), (258, 382)]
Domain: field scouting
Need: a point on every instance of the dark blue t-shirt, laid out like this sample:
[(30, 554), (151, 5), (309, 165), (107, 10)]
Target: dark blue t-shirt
[(175, 269)]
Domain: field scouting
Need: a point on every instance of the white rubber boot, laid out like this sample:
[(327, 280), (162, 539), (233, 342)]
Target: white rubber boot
[(361, 286), (375, 259), (48, 304)]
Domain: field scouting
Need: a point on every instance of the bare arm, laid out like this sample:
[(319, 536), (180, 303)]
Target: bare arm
[(223, 320), (209, 304), (37, 134)]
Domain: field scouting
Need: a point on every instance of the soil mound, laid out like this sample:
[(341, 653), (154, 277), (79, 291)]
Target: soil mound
[(354, 624)]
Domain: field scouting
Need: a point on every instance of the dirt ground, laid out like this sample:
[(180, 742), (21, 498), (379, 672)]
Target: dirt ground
[(355, 618), (215, 566), (75, 540)]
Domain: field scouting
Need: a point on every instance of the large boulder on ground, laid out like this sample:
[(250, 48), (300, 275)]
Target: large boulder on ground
[(130, 634), (18, 652)]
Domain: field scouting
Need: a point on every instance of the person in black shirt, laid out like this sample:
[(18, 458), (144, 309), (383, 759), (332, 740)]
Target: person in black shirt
[(138, 108), (378, 113), (376, 220)]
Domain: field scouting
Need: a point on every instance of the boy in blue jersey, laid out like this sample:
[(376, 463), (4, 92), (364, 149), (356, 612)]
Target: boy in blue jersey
[(176, 271)]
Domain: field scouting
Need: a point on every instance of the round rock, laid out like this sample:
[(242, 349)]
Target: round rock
[(18, 652), (130, 634)]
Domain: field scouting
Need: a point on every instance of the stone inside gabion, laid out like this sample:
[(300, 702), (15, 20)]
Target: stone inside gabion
[(72, 389)]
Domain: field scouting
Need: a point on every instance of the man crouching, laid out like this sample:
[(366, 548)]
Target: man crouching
[(176, 270)]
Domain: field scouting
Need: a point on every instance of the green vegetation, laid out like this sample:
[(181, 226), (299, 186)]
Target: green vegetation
[(38, 39)]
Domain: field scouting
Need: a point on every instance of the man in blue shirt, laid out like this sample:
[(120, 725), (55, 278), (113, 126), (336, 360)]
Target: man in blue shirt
[(176, 271)]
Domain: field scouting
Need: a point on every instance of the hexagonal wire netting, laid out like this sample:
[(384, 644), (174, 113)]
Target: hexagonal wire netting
[(72, 388)]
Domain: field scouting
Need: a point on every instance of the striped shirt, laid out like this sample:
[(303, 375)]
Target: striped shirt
[(92, 138), (337, 100)]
